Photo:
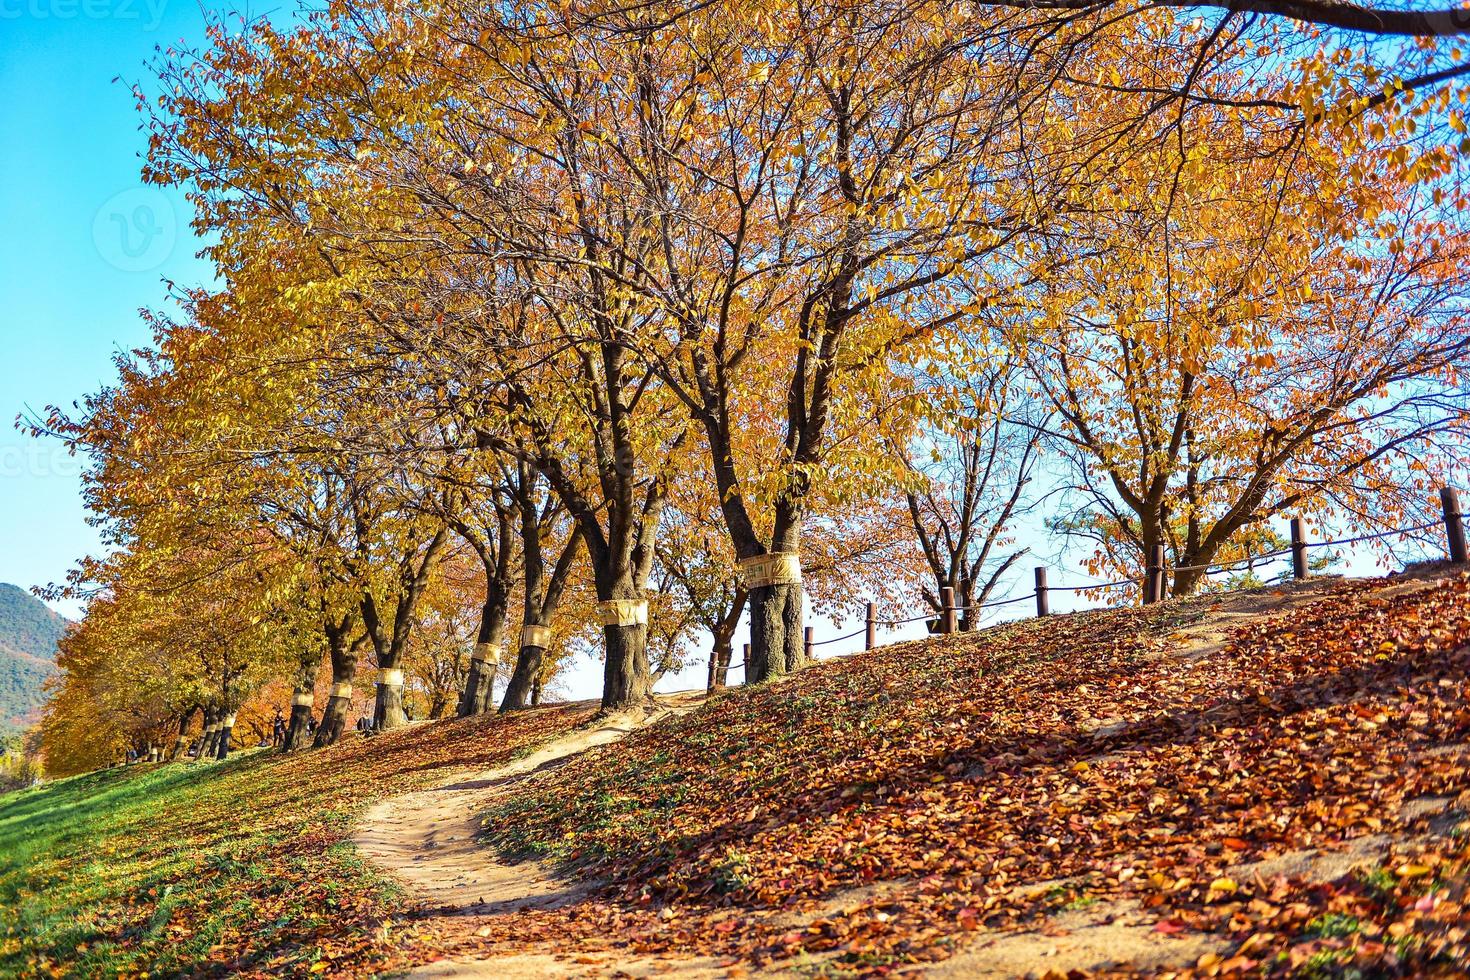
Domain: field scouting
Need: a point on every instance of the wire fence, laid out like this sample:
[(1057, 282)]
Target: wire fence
[(1153, 581)]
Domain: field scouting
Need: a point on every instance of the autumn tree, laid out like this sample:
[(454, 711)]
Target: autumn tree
[(1262, 315), (972, 464)]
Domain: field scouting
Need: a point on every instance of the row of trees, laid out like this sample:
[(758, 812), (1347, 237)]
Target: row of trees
[(593, 322)]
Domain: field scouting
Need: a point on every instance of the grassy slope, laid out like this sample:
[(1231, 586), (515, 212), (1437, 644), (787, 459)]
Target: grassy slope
[(950, 773), (240, 867)]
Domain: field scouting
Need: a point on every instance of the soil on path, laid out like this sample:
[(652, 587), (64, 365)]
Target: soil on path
[(426, 840)]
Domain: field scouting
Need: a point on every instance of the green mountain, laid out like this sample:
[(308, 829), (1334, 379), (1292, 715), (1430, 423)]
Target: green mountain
[(29, 632)]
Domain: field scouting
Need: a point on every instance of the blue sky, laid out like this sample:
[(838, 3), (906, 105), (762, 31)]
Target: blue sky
[(85, 244)]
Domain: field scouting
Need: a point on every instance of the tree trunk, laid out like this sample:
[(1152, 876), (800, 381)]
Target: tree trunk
[(523, 680), (479, 690), (485, 688), (719, 660), (1187, 582), (388, 706), (182, 741), (222, 743), (626, 682), (470, 697), (479, 687), (298, 730), (777, 646), (536, 691), (344, 667), (208, 733), (723, 633), (496, 551), (334, 720)]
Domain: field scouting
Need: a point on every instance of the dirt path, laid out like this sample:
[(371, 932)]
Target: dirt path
[(427, 841)]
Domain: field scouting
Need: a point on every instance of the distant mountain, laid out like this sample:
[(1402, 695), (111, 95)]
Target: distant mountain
[(29, 632)]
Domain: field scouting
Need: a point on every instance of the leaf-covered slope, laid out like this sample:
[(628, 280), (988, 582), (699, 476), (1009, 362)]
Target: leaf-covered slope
[(29, 632), (953, 773)]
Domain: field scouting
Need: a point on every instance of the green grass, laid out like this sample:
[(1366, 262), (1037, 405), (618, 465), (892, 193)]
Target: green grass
[(138, 869), (223, 868)]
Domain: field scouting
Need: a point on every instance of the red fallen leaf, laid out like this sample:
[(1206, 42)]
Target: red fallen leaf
[(969, 918), (1235, 844), (1170, 927)]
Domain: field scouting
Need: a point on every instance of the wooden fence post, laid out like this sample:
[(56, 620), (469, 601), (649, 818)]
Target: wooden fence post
[(1298, 549), (1454, 524), (1043, 605), (947, 619), (872, 637), (807, 636)]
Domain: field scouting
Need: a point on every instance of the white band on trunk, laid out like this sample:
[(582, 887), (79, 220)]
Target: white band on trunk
[(778, 568), (230, 721), (623, 612), (302, 700), (486, 653), (536, 636), (390, 677), (342, 690)]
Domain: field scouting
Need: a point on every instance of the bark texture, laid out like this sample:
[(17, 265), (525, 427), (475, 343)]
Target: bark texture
[(222, 743), (182, 741), (298, 728), (334, 721), (626, 681), (777, 646), (343, 656), (523, 679), (388, 707)]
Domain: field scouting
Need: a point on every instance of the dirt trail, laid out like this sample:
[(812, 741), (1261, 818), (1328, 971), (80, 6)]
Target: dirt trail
[(427, 839)]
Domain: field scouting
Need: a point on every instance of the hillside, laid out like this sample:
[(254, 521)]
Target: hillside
[(29, 632), (1192, 785), (1269, 783)]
